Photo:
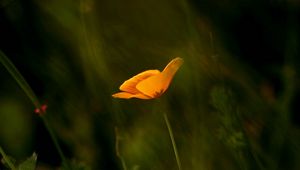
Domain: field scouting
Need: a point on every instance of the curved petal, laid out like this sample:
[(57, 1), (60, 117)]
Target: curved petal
[(152, 86), (130, 84), (125, 95), (156, 85), (173, 66)]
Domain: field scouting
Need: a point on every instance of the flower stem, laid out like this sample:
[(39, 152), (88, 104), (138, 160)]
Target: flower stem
[(117, 147), (31, 95), (173, 141), (7, 160), (55, 141), (14, 72)]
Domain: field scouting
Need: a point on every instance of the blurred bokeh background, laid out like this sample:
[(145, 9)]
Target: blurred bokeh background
[(232, 105)]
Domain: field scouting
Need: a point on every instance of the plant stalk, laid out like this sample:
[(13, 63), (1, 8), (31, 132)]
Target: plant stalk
[(7, 160), (173, 141)]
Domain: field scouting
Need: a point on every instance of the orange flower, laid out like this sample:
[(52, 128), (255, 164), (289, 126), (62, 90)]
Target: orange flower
[(149, 84)]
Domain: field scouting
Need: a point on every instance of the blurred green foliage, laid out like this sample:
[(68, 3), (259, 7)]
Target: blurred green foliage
[(232, 105)]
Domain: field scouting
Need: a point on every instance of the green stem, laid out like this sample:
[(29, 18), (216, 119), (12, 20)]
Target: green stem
[(19, 78), (123, 163), (118, 138), (173, 141), (55, 141), (7, 160), (29, 92)]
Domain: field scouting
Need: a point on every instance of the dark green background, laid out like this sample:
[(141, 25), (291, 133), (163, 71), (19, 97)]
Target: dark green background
[(232, 105)]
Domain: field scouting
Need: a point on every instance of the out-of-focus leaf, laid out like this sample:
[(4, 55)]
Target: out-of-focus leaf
[(29, 164), (5, 160)]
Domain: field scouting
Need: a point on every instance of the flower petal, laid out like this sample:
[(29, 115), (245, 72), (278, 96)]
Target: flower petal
[(157, 84), (130, 84), (125, 95)]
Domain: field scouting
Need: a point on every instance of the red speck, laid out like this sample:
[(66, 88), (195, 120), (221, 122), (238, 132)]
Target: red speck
[(37, 110), (41, 110), (44, 107)]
